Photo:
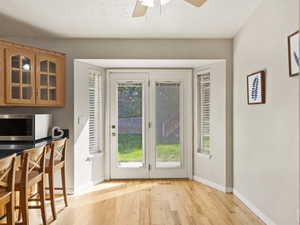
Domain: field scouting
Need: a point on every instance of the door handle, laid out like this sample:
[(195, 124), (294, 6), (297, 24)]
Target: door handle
[(113, 134)]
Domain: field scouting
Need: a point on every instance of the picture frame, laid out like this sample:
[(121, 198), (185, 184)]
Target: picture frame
[(256, 86), (293, 48)]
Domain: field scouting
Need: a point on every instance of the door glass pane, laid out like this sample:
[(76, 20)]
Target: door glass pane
[(26, 92), (52, 81), (44, 66), (167, 129), (26, 78), (15, 92), (44, 79), (52, 67), (26, 63), (44, 93), (15, 76), (52, 94), (15, 61), (130, 125)]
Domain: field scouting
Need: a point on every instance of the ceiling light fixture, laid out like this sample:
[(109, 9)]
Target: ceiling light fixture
[(142, 5)]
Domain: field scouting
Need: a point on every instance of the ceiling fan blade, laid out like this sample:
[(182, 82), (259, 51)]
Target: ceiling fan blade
[(139, 10), (196, 3)]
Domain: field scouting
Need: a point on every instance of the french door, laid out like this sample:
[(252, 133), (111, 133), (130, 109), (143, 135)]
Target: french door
[(149, 123)]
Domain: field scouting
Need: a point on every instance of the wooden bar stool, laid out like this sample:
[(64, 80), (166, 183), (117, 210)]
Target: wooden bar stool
[(31, 173), (7, 188), (56, 162)]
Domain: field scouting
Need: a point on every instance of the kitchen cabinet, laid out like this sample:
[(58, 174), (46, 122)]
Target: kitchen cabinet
[(31, 76), (20, 76), (50, 80)]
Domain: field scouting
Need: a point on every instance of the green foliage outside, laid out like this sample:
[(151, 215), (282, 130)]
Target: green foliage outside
[(206, 144), (130, 149)]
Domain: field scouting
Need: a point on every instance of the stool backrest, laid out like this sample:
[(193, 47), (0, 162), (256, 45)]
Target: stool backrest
[(33, 160), (7, 173), (58, 150)]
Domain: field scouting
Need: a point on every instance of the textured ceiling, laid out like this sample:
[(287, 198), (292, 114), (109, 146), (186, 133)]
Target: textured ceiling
[(112, 19)]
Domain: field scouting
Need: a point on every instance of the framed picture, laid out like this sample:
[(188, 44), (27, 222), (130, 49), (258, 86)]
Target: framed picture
[(256, 85), (293, 42)]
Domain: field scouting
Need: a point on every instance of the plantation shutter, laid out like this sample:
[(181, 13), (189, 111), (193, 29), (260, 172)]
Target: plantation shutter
[(95, 99), (204, 85)]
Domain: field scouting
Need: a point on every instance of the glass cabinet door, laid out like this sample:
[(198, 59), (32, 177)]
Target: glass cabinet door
[(20, 76), (48, 79)]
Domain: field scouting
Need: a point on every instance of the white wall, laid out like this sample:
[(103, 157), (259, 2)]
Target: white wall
[(213, 169), (266, 137)]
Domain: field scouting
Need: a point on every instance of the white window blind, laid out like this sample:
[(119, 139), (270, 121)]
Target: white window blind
[(95, 112), (204, 88)]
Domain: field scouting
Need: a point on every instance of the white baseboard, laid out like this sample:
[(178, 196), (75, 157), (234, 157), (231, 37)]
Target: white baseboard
[(101, 180), (212, 184), (82, 188), (228, 189), (253, 208)]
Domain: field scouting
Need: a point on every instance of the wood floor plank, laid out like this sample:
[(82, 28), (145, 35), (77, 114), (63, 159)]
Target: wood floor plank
[(154, 202)]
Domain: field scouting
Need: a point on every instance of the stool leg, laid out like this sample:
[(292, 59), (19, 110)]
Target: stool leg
[(41, 190), (10, 211), (18, 194), (24, 206), (64, 186), (52, 197)]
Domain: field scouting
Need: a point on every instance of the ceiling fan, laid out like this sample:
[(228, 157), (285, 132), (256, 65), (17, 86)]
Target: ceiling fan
[(142, 5)]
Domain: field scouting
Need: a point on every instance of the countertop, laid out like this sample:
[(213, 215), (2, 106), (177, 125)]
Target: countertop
[(11, 147)]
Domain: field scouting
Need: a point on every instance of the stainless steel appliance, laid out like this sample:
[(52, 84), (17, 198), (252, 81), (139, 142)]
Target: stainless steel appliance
[(25, 127)]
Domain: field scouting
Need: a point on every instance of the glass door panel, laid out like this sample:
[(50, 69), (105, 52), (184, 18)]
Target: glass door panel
[(44, 93), (171, 115), (15, 92), (167, 125), (44, 66), (128, 120), (15, 62), (52, 94), (26, 78), (44, 80), (15, 76), (26, 92), (130, 125), (26, 64)]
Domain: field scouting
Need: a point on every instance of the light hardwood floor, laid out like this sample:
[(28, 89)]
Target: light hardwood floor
[(154, 202)]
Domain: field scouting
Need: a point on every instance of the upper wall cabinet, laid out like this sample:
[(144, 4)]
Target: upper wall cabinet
[(30, 76), (20, 76), (50, 80)]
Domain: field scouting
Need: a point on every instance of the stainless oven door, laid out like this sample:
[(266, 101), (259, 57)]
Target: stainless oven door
[(15, 127)]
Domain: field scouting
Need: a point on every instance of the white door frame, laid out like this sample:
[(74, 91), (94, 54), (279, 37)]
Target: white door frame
[(174, 76), (188, 130), (141, 171)]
